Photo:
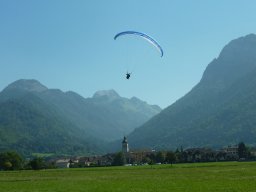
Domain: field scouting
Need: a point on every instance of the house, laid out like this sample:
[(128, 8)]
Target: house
[(231, 152), (62, 163), (253, 152), (65, 162)]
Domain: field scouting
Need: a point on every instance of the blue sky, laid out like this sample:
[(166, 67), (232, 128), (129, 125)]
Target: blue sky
[(69, 45)]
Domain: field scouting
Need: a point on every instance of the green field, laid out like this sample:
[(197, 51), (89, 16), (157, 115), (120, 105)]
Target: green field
[(195, 177)]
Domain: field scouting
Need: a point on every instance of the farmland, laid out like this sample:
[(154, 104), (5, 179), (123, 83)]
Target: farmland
[(194, 177)]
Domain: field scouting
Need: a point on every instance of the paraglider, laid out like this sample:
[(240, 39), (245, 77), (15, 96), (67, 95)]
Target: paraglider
[(128, 75), (144, 36)]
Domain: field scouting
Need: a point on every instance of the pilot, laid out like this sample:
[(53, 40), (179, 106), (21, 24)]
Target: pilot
[(128, 75)]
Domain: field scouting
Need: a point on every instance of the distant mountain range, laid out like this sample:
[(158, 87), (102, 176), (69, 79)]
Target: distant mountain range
[(220, 110), (35, 119)]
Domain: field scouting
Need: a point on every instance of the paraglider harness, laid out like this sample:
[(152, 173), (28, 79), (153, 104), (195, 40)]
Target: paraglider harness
[(128, 75)]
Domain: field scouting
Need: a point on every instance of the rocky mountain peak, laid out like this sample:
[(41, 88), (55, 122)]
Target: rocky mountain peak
[(242, 46), (107, 93), (237, 59), (30, 85)]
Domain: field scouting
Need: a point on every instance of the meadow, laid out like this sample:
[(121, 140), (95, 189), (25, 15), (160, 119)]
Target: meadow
[(194, 177)]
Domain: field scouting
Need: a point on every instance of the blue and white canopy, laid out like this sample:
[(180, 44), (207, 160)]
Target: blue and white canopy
[(144, 36)]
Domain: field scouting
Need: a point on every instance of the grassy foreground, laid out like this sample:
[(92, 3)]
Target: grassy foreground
[(196, 177)]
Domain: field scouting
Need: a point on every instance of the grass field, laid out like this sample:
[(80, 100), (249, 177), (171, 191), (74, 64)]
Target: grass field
[(195, 177)]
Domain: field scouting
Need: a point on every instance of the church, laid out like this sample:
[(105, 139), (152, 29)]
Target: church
[(125, 146), (134, 157)]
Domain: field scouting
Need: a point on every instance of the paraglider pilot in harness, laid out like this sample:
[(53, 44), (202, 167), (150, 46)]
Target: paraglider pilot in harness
[(144, 36), (128, 75)]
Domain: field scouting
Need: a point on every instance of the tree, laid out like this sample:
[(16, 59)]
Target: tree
[(146, 160), (160, 158), (119, 159), (10, 161), (241, 150), (7, 165), (152, 158), (179, 154), (37, 163), (170, 157)]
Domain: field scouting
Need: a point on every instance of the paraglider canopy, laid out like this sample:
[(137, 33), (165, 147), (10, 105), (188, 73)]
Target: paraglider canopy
[(144, 36)]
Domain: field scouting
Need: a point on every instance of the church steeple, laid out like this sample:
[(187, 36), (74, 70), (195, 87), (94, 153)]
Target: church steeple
[(125, 147)]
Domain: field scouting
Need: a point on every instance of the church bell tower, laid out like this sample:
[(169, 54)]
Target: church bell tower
[(125, 147)]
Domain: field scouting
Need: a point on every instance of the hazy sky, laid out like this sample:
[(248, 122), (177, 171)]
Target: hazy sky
[(68, 44)]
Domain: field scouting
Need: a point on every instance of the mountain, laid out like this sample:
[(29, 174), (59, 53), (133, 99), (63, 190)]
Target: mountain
[(28, 124), (106, 115), (119, 116), (34, 118), (220, 110)]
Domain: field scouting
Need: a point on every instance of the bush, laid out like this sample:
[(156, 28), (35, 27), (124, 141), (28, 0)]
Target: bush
[(11, 161), (37, 163)]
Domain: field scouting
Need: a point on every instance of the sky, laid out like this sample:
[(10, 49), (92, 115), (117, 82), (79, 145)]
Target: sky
[(69, 44)]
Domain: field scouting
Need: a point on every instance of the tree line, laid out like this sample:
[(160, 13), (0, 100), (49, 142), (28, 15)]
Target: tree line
[(12, 160), (242, 153)]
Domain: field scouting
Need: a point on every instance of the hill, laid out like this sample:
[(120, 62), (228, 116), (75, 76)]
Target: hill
[(219, 110), (34, 118)]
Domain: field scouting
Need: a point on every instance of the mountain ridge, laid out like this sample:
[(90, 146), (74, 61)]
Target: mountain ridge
[(200, 117), (30, 85), (66, 122)]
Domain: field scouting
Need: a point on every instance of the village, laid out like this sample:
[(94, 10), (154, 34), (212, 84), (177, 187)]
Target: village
[(129, 157)]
